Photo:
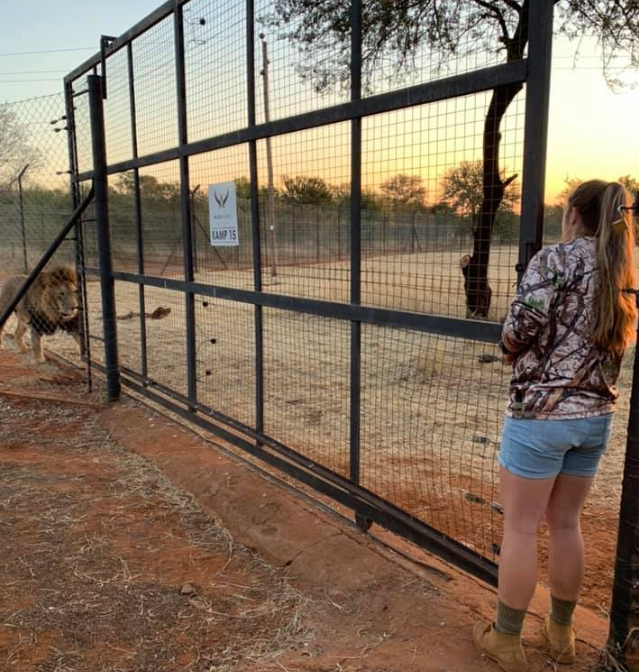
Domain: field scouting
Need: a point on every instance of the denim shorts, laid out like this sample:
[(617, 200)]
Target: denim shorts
[(545, 448)]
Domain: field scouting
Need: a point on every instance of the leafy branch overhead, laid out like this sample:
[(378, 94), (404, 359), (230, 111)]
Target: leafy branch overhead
[(398, 33), (405, 40)]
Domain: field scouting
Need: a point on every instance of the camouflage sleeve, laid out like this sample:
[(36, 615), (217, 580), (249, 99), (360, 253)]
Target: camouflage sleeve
[(528, 313)]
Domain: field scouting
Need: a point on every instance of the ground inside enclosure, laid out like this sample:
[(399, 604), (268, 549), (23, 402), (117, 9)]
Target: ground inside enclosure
[(432, 406), (130, 544)]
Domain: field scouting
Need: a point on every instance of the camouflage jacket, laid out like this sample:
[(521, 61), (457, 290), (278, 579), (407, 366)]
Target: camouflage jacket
[(559, 373)]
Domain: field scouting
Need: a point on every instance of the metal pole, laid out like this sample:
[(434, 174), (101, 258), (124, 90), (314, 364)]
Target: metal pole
[(535, 130), (137, 198), (255, 218), (624, 611), (22, 226), (269, 161), (72, 148), (356, 252), (193, 194), (185, 203), (107, 285)]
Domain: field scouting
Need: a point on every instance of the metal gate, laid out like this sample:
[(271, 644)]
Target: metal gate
[(333, 341)]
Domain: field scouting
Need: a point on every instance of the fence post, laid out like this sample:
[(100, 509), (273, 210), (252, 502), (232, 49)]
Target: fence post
[(255, 218), (185, 203), (101, 203), (531, 225), (356, 252), (624, 611), (23, 229)]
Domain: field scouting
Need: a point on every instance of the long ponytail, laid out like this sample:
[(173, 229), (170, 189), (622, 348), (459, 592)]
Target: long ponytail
[(615, 309)]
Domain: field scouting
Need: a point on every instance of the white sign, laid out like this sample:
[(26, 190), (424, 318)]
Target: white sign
[(223, 215)]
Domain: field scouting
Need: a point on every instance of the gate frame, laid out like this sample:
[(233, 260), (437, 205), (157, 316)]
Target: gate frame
[(533, 71)]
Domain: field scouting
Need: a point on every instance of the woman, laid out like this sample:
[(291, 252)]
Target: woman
[(565, 333)]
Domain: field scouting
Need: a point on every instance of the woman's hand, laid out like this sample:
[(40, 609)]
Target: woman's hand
[(508, 356)]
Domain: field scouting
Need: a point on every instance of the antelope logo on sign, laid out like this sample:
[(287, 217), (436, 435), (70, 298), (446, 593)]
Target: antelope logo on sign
[(221, 200), (224, 228)]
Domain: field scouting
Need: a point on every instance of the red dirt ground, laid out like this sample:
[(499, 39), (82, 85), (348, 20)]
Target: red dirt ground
[(130, 544)]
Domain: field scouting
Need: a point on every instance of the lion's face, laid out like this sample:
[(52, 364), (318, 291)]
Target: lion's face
[(60, 296)]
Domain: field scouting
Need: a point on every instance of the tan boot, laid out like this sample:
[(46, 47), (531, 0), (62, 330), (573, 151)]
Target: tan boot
[(505, 650), (562, 641)]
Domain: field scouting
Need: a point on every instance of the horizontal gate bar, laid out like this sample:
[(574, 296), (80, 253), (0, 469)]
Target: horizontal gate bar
[(430, 92), (454, 327), (339, 489)]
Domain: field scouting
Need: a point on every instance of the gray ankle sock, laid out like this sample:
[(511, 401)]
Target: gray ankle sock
[(561, 611), (509, 621)]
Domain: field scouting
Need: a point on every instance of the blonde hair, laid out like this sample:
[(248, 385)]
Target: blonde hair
[(598, 204)]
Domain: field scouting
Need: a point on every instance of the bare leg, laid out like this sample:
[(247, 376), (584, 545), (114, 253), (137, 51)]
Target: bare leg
[(525, 501), (19, 336), (36, 344), (566, 548)]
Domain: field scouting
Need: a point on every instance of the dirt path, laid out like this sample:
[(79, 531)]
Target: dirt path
[(108, 565)]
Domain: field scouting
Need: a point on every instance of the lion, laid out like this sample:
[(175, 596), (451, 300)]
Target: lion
[(51, 303)]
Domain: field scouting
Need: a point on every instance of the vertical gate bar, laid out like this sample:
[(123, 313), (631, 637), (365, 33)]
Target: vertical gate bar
[(72, 141), (255, 217), (185, 201), (356, 261), (531, 228), (624, 615), (101, 201), (137, 211)]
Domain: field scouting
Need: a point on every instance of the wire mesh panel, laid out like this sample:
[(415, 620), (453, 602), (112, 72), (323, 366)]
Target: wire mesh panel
[(161, 218), (306, 374), (122, 217), (284, 93), (117, 110), (82, 125), (432, 408), (215, 63), (225, 346), (413, 55), (34, 182), (423, 198), (155, 86), (166, 338), (305, 213), (221, 264), (129, 325)]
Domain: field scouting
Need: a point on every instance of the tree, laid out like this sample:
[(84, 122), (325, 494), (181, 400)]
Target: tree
[(151, 189), (398, 32), (308, 190), (243, 188), (462, 189), (571, 184), (629, 182), (405, 192), (15, 150), (370, 199), (441, 208)]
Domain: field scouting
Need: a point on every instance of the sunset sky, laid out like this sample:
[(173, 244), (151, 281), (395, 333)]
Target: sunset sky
[(593, 131)]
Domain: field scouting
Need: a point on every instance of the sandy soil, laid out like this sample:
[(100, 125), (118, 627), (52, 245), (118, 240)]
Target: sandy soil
[(110, 565)]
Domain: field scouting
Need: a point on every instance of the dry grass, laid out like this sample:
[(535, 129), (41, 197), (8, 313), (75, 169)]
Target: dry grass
[(93, 585)]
